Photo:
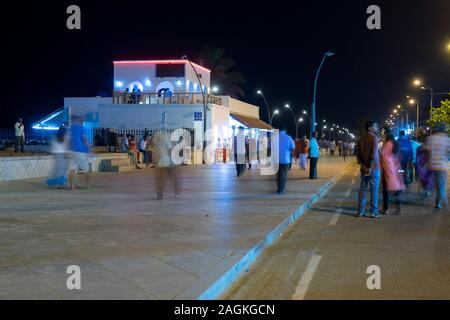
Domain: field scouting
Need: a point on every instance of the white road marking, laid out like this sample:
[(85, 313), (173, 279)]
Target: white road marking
[(306, 279), (334, 219)]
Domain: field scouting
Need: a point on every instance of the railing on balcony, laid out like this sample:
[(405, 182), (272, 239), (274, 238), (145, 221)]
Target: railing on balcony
[(120, 97)]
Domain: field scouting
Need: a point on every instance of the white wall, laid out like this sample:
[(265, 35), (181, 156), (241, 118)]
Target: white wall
[(240, 107), (220, 123), (87, 107), (147, 116)]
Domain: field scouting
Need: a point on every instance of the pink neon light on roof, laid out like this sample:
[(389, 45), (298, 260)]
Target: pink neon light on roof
[(160, 62)]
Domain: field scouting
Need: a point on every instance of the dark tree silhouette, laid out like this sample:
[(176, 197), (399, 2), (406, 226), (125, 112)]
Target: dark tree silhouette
[(223, 72)]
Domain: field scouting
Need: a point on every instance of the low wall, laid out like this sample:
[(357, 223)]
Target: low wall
[(19, 168)]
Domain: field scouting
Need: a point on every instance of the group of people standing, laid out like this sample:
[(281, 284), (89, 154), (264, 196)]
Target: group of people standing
[(289, 152), (398, 162), (344, 148)]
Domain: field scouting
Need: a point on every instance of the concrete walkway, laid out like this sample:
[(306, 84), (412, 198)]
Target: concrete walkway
[(326, 254), (131, 246)]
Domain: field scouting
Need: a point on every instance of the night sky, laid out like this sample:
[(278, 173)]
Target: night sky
[(277, 46)]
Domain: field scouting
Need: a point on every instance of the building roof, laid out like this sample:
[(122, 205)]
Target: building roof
[(251, 122), (172, 61)]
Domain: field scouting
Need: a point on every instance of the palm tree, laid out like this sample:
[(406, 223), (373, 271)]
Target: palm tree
[(223, 74)]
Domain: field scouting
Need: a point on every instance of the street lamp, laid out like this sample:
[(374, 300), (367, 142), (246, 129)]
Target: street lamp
[(274, 113), (295, 120), (211, 91), (423, 86), (313, 106), (412, 101), (185, 57), (259, 92)]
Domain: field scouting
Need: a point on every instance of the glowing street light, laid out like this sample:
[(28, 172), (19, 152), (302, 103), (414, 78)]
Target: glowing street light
[(274, 113), (413, 101), (295, 120), (259, 92), (423, 86), (313, 107)]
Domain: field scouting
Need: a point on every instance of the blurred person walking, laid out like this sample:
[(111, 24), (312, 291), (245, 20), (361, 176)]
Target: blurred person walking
[(392, 179), (332, 146), (406, 155), (79, 150), (60, 157), (438, 146), (345, 150), (303, 152), (414, 175), (166, 169)]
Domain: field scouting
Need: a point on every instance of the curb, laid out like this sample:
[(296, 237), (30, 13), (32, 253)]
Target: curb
[(228, 278)]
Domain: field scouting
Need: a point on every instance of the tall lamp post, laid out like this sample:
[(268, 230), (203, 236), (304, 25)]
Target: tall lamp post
[(273, 115), (203, 99), (313, 106), (259, 92), (295, 120), (423, 86), (413, 101)]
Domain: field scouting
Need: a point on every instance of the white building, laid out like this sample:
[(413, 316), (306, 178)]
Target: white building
[(169, 97)]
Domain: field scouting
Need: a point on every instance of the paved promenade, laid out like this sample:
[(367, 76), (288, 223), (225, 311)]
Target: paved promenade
[(326, 253), (131, 246)]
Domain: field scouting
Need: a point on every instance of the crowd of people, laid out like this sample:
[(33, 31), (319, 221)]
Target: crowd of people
[(400, 162), (386, 162)]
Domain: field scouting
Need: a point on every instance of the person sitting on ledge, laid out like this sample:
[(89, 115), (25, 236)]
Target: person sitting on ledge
[(134, 153)]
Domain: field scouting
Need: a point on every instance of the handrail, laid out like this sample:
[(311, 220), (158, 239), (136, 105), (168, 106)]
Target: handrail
[(121, 97)]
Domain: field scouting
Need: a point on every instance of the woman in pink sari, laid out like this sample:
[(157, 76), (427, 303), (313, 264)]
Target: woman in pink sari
[(392, 178)]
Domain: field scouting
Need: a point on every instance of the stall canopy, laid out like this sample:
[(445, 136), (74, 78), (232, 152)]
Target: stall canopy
[(251, 122)]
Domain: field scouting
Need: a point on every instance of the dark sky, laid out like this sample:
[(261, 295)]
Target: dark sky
[(277, 46)]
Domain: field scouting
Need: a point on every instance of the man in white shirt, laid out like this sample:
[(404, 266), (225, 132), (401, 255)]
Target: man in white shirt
[(143, 147), (19, 130)]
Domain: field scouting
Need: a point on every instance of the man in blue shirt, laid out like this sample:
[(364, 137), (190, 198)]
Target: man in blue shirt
[(285, 148), (314, 154)]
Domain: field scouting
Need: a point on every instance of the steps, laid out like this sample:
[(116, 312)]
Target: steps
[(121, 164)]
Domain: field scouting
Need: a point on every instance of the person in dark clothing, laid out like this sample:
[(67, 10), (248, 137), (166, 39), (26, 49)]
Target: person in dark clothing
[(369, 161), (406, 155), (285, 147), (239, 151), (314, 154)]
